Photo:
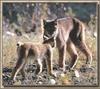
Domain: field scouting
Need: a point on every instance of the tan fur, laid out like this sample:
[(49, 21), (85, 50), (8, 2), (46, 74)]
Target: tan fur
[(70, 34), (64, 41), (41, 52)]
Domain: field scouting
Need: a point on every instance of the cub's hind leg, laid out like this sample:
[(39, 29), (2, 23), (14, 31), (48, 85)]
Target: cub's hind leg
[(23, 71), (22, 58), (18, 67)]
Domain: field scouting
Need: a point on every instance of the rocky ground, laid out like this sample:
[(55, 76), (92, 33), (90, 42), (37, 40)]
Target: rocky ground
[(79, 77)]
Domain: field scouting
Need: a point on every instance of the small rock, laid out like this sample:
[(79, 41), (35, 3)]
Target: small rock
[(40, 82), (77, 74), (7, 70), (34, 77), (62, 75), (83, 69), (52, 81), (17, 83)]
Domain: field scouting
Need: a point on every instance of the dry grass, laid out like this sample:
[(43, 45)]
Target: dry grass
[(9, 48), (9, 51)]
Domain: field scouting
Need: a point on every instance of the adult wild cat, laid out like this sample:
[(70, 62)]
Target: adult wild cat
[(69, 33)]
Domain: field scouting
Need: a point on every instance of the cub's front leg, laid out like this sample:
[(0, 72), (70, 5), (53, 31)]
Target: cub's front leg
[(39, 66), (49, 62)]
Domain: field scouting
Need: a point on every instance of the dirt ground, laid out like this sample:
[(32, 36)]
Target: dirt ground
[(79, 77)]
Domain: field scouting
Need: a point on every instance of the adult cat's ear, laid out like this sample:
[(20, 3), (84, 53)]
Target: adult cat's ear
[(44, 22), (55, 21)]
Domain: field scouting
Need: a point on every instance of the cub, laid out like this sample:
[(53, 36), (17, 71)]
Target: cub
[(41, 53)]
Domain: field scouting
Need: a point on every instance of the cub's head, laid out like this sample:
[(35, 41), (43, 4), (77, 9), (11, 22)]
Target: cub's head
[(49, 27), (50, 41)]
